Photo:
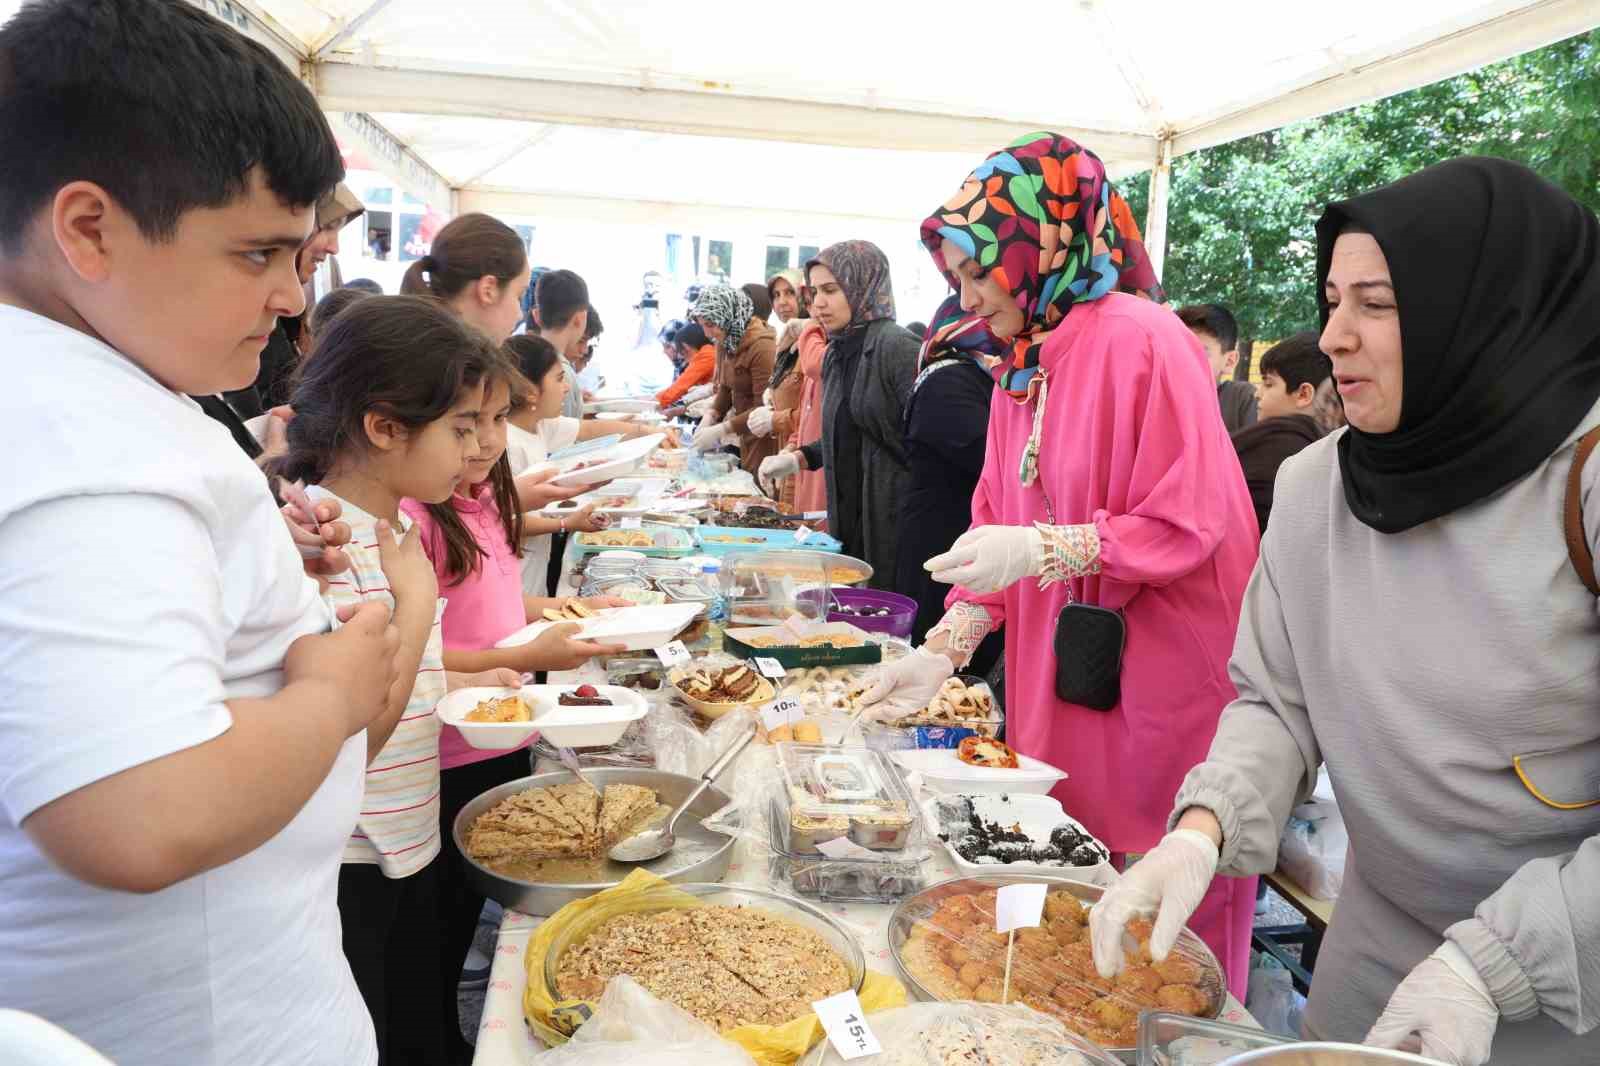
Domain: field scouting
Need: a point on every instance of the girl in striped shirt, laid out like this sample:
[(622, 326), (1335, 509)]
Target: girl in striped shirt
[(386, 408)]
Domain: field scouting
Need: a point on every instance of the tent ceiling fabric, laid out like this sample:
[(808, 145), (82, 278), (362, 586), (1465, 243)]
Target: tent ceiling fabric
[(874, 109)]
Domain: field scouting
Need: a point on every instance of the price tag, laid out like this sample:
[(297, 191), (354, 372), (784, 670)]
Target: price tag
[(1018, 907), (631, 522), (673, 654), (814, 516), (781, 712), (846, 1025), (803, 534), (770, 668), (845, 848)]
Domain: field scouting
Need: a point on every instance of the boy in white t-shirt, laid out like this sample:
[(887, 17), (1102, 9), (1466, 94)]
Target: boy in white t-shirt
[(184, 739)]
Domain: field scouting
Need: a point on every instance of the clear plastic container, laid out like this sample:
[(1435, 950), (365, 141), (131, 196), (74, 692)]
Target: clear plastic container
[(855, 790), (886, 877), (1178, 1040), (763, 588)]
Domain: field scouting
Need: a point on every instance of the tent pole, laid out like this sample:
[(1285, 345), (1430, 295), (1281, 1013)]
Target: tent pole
[(1155, 222)]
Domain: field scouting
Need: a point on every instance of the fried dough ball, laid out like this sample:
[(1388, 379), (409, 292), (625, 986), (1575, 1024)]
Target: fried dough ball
[(1036, 943), (1064, 906), (1066, 931), (956, 953), (1031, 978), (1043, 1004), (1113, 1013), (1127, 1036), (1077, 960), (1141, 982), (1178, 971), (1074, 994), (1182, 999), (1140, 928), (989, 991), (978, 971), (940, 975)]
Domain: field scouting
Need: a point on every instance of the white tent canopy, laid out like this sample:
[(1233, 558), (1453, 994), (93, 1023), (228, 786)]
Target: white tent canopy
[(839, 109)]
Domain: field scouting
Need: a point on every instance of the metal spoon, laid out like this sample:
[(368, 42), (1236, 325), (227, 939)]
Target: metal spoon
[(653, 843)]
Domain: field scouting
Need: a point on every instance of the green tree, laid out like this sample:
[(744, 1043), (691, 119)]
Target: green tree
[(1242, 216)]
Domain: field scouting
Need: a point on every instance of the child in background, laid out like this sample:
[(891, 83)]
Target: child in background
[(387, 408), (1291, 373), (184, 739), (537, 428), (474, 541)]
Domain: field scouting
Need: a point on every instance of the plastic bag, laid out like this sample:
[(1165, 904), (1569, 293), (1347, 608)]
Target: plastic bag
[(952, 950), (1313, 846), (630, 1026), (1273, 1001), (958, 1034)]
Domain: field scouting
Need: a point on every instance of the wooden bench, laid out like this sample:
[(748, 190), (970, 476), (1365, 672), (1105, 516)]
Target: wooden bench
[(1308, 933)]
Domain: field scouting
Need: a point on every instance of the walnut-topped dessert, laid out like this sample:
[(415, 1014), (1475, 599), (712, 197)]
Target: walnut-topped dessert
[(728, 966), (561, 821)]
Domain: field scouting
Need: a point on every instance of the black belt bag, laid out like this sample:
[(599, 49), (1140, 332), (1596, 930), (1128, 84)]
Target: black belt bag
[(1088, 646)]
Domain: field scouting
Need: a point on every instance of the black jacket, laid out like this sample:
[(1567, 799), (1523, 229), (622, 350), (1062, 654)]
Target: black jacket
[(1262, 449)]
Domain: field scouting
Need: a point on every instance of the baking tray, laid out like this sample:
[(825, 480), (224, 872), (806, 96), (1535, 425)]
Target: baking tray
[(742, 539), (920, 906), (700, 854)]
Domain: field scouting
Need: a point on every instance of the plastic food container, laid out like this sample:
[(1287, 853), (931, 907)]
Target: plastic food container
[(899, 620), (795, 861), (1040, 819), (453, 709), (664, 541), (827, 784), (942, 771), (1179, 1040), (585, 727), (645, 676), (763, 588)]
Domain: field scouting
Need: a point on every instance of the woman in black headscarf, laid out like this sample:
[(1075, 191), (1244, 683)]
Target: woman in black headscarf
[(866, 379), (1420, 622)]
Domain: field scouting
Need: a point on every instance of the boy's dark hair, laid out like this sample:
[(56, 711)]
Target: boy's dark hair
[(366, 285), (559, 295), (1298, 360), (593, 327), (406, 357), (691, 338), (761, 298), (469, 247), (920, 329), (160, 104), (462, 552), (331, 304), (1213, 319)]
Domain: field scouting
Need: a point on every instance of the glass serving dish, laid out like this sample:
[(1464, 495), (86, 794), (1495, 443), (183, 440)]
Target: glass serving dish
[(678, 896)]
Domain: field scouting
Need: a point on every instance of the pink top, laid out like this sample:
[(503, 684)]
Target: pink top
[(1133, 442), (484, 607), (811, 486)]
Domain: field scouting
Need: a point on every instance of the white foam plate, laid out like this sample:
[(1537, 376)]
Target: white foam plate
[(613, 462), (644, 494), (1034, 815), (943, 771), (585, 727), (584, 447), (489, 735), (629, 404), (636, 628)]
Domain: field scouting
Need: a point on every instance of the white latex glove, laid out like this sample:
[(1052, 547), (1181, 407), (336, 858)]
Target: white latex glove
[(912, 681), (709, 438), (701, 408), (1169, 882), (776, 468), (699, 392), (766, 397), (760, 421), (1442, 1010), (990, 558)]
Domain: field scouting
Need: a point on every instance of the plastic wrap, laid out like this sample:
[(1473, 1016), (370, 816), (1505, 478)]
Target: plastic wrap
[(681, 748), (952, 950), (630, 1025), (1313, 846), (967, 1034)]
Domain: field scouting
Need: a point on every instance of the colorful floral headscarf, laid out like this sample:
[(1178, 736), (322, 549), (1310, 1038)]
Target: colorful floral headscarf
[(953, 329), (1042, 216), (727, 308), (862, 271)]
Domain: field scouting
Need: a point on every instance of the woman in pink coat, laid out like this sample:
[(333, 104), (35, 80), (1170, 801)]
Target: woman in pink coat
[(1109, 481)]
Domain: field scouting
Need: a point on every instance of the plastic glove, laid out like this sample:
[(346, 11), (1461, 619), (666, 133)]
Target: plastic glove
[(912, 681), (760, 421), (709, 438), (701, 408), (766, 397), (990, 558), (1169, 882), (776, 468), (1442, 1010), (699, 392)]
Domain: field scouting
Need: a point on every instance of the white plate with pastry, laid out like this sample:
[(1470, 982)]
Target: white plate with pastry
[(635, 628)]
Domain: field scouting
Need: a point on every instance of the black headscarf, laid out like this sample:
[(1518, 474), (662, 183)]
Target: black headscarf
[(1497, 279)]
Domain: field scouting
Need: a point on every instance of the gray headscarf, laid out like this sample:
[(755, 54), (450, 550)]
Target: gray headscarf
[(727, 308), (862, 271)]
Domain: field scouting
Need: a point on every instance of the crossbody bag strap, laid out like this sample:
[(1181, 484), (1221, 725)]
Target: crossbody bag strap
[(1577, 541)]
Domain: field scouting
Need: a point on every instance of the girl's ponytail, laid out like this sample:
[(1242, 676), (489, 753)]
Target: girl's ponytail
[(469, 247)]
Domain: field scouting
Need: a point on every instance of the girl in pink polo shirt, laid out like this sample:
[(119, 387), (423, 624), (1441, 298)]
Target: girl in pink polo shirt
[(474, 541)]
